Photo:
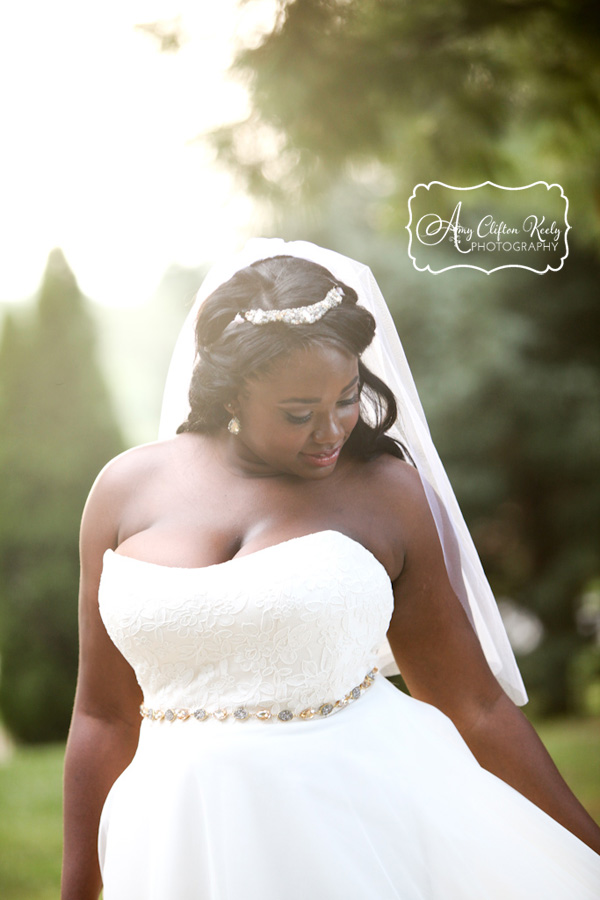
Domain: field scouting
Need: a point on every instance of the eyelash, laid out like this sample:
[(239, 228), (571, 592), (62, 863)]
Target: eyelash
[(302, 420)]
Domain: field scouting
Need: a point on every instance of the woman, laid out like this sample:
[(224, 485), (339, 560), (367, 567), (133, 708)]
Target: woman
[(245, 573)]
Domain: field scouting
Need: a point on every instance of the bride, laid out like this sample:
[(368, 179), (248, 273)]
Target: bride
[(238, 582)]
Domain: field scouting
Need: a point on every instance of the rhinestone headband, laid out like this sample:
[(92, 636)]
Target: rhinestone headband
[(241, 713), (301, 315)]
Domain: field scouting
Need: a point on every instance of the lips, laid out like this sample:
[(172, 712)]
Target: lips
[(327, 458)]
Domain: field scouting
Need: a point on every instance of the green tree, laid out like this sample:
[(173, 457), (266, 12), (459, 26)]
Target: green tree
[(454, 90), (58, 430)]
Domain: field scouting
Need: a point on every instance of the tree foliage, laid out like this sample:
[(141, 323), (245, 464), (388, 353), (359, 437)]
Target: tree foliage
[(57, 431), (454, 90), (530, 430)]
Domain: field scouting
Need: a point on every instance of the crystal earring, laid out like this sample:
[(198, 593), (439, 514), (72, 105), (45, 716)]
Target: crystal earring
[(234, 426)]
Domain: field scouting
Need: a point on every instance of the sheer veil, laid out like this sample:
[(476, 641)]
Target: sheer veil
[(386, 358)]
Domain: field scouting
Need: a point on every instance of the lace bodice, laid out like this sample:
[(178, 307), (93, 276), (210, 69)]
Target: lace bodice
[(287, 626)]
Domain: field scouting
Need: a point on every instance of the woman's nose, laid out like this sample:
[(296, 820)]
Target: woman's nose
[(327, 430)]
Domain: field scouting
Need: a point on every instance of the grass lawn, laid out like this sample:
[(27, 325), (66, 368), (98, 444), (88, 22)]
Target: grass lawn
[(574, 745), (30, 823), (30, 800)]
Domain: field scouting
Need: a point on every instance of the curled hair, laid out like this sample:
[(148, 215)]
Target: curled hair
[(229, 353)]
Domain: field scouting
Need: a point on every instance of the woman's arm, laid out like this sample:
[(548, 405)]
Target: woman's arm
[(105, 726), (442, 663)]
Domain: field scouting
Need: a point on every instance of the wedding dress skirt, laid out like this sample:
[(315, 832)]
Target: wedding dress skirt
[(379, 798)]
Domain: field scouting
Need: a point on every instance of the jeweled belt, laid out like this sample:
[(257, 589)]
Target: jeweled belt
[(241, 713)]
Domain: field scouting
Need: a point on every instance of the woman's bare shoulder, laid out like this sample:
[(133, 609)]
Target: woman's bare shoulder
[(122, 479), (390, 495), (136, 465), (395, 480), (121, 472), (114, 499)]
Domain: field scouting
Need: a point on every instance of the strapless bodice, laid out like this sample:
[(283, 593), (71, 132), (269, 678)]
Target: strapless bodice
[(286, 627), (384, 800)]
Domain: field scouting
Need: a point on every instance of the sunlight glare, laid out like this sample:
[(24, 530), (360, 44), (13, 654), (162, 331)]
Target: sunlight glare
[(99, 154)]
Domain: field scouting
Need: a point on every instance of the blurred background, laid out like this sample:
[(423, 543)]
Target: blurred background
[(142, 140)]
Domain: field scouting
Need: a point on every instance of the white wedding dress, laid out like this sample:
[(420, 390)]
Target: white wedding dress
[(379, 800)]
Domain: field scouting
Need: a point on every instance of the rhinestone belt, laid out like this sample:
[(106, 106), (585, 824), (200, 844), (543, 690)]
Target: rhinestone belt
[(241, 713)]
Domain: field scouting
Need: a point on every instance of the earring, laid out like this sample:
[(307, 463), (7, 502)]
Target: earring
[(234, 426)]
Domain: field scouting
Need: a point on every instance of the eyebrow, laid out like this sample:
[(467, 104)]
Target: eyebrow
[(308, 400)]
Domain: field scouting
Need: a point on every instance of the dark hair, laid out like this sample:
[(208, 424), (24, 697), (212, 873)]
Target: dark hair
[(229, 355)]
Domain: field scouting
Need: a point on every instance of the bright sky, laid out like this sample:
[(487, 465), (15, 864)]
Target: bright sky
[(97, 151)]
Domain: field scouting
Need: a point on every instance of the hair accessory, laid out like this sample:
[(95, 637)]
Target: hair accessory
[(234, 426), (385, 357), (301, 315)]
